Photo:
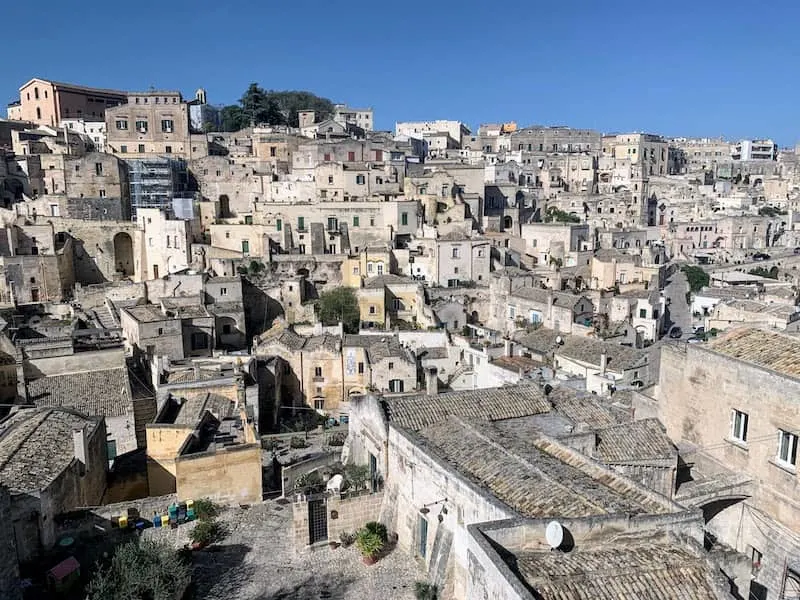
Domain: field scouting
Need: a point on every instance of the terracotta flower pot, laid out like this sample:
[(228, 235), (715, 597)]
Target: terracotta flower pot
[(334, 545), (198, 545), (368, 560)]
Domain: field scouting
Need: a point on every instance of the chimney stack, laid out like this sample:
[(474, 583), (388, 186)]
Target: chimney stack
[(603, 363), (80, 442), (431, 381)]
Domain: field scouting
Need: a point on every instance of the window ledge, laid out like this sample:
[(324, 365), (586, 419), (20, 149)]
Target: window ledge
[(737, 443), (786, 467)]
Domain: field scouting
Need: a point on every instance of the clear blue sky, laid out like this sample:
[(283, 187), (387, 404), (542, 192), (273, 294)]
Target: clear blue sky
[(708, 67)]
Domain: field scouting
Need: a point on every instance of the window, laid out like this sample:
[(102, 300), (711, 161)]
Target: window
[(248, 219), (317, 371), (370, 267), (279, 224), (380, 268), (333, 224), (102, 193), (36, 93), (141, 149), (404, 218), (326, 157), (372, 309), (361, 368), (739, 426), (355, 221), (787, 448), (199, 341), (422, 538), (330, 179), (301, 223), (372, 221), (360, 179), (455, 270), (98, 168), (456, 252), (111, 449), (167, 125), (396, 386), (512, 312), (167, 149), (223, 291), (122, 124), (169, 245), (141, 126), (351, 156), (38, 113), (391, 365), (642, 313), (319, 403), (160, 331), (245, 246), (272, 150)]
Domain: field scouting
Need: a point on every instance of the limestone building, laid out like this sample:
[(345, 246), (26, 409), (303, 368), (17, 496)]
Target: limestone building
[(48, 102)]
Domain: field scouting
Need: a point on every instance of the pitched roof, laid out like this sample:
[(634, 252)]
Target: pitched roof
[(648, 569), (581, 408), (589, 350), (763, 348), (639, 440), (493, 404), (533, 475), (97, 393), (36, 446)]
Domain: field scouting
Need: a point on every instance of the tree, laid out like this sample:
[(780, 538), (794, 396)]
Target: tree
[(259, 106), (146, 569), (233, 118), (339, 305), (697, 278), (555, 214)]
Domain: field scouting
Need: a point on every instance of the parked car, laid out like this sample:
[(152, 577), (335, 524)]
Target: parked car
[(698, 329), (675, 332), (761, 256), (694, 340), (797, 250)]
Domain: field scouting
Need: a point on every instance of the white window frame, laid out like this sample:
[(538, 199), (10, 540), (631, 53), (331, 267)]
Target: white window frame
[(122, 124), (787, 440), (739, 423), (512, 312)]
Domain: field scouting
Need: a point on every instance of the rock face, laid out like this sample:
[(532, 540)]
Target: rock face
[(9, 570)]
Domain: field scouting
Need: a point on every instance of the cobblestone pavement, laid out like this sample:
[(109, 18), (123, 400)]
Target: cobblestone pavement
[(257, 561)]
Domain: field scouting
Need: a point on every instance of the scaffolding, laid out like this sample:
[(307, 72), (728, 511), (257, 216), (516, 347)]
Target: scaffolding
[(156, 182)]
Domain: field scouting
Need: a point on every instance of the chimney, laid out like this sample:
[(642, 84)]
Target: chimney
[(80, 442), (431, 382), (509, 347), (603, 363)]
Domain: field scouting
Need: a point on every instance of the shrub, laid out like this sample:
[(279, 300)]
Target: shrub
[(425, 591), (378, 529), (147, 569), (369, 543), (309, 483), (347, 538), (337, 439), (356, 476), (297, 442), (207, 532), (205, 509)]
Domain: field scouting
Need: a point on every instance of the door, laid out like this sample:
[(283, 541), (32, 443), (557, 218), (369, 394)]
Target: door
[(422, 546), (317, 521), (373, 472), (155, 271)]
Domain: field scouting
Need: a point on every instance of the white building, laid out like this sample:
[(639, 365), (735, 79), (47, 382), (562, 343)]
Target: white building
[(426, 129), (360, 117), (755, 150), (96, 130)]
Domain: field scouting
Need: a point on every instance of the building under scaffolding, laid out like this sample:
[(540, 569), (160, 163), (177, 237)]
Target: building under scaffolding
[(157, 183)]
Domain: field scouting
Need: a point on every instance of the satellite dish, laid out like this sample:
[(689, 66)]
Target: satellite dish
[(559, 340), (554, 534)]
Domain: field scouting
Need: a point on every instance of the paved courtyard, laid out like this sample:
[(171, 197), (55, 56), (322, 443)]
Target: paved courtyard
[(256, 561)]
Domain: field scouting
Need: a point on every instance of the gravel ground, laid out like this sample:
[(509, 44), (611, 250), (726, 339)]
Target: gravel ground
[(257, 561)]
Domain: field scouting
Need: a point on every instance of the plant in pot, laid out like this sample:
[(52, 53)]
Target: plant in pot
[(207, 531), (347, 538), (370, 545)]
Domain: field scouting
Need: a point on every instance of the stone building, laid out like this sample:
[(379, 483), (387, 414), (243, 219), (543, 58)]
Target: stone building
[(153, 123), (731, 406), (52, 461), (48, 102), (9, 571), (96, 175), (459, 463), (175, 327), (557, 243), (360, 117), (204, 446)]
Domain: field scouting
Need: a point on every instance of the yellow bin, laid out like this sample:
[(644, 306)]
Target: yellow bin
[(123, 521)]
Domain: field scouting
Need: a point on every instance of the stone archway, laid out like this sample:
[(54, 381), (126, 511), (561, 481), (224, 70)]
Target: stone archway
[(123, 254), (508, 222)]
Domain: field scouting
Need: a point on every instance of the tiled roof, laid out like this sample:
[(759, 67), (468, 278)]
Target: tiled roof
[(763, 348), (36, 446), (581, 408), (542, 340), (380, 281), (96, 393), (147, 313), (534, 475), (589, 350), (493, 404), (193, 408), (640, 440), (378, 347), (531, 293), (647, 570)]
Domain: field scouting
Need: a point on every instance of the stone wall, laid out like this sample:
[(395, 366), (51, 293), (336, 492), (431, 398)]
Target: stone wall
[(345, 515), (697, 392), (230, 475), (9, 569)]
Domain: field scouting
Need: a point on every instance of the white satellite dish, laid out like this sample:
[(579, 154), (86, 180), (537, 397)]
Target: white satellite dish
[(554, 534), (559, 340)]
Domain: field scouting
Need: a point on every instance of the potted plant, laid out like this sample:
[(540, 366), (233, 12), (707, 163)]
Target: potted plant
[(347, 538), (369, 544), (207, 531)]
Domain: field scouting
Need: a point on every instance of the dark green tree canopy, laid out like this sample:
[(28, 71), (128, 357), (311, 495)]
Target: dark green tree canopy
[(272, 107), (338, 305)]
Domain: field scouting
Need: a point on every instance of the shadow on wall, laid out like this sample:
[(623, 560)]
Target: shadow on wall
[(259, 309)]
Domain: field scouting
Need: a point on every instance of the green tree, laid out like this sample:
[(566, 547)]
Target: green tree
[(271, 107), (555, 214), (696, 276), (146, 569), (233, 118), (339, 305)]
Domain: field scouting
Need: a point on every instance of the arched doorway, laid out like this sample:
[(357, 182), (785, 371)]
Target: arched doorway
[(123, 254), (508, 222), (228, 334), (224, 206)]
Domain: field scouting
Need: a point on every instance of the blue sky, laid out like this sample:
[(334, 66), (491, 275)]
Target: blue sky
[(705, 68)]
